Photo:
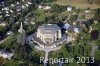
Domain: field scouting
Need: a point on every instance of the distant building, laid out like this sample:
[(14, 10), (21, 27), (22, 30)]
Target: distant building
[(9, 32), (87, 11), (12, 5), (23, 6), (69, 8), (71, 28), (44, 6), (6, 54), (7, 15), (66, 26), (26, 5), (81, 21), (3, 24), (76, 30), (11, 11), (17, 3), (5, 8), (29, 3)]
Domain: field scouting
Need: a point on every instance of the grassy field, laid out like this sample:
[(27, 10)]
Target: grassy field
[(40, 15), (79, 3), (11, 63)]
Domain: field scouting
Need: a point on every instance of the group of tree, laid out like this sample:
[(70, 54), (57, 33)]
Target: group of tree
[(97, 15)]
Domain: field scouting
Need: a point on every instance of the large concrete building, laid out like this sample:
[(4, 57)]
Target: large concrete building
[(49, 33)]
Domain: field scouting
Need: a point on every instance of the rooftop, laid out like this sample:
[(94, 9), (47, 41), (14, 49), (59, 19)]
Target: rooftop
[(49, 26)]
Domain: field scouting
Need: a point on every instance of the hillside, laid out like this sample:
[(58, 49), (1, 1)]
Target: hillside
[(80, 3)]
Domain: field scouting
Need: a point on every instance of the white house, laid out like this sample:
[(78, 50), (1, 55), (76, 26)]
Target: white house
[(29, 3), (45, 7), (7, 12), (26, 5), (66, 26), (11, 11), (6, 54), (5, 8), (17, 3), (69, 8), (2, 24), (87, 11), (7, 15), (76, 30), (9, 32), (23, 7), (12, 5)]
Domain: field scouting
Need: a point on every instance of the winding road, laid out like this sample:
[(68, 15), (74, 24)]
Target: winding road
[(94, 47)]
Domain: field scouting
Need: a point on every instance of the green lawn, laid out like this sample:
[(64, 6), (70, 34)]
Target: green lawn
[(97, 55), (11, 63), (40, 15)]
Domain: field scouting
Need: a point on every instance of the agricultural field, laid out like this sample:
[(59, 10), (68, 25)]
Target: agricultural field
[(93, 4)]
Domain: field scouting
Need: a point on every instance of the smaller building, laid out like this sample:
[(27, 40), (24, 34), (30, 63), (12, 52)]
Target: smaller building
[(72, 28), (44, 6), (29, 3), (69, 8), (81, 21), (5, 9), (23, 6), (12, 5), (3, 24), (9, 32), (76, 30), (66, 26), (6, 54)]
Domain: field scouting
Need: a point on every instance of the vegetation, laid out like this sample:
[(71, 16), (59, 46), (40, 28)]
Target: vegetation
[(83, 4), (25, 55)]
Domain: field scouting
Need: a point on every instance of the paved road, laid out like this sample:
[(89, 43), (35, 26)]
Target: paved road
[(47, 50), (93, 50), (46, 58)]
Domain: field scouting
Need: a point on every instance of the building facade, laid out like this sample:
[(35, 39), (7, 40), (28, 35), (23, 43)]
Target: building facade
[(49, 33)]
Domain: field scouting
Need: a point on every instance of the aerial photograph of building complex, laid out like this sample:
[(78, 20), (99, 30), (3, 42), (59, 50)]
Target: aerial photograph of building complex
[(49, 32)]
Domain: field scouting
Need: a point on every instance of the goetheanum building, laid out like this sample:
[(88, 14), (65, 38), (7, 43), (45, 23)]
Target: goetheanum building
[(48, 35)]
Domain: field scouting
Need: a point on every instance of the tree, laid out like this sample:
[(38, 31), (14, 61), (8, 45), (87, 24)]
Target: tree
[(14, 27), (97, 15), (3, 31), (22, 52), (10, 42)]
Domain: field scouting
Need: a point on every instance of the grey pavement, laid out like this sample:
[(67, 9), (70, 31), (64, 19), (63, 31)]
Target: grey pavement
[(94, 47)]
